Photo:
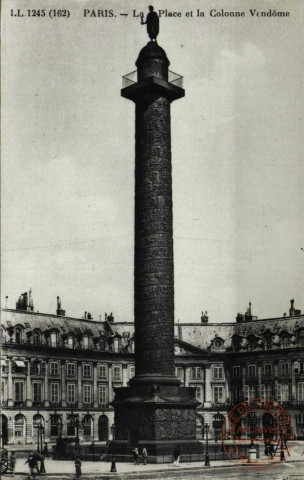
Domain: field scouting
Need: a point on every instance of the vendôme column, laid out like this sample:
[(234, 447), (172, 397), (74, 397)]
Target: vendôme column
[(154, 411)]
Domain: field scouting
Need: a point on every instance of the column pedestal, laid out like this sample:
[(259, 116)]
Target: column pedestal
[(157, 417)]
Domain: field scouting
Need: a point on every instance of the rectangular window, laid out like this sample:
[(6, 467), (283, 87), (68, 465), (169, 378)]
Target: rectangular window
[(218, 394), (102, 371), (132, 371), (3, 391), (87, 393), (71, 370), (283, 392), (103, 394), (301, 391), (116, 372), (71, 392), (37, 392), (199, 393), (196, 373), (217, 373), (249, 392), (54, 392), (236, 372), (267, 369), (268, 392), (284, 368), (87, 370), (36, 368), (251, 370), (236, 393), (179, 372), (54, 368), (19, 391)]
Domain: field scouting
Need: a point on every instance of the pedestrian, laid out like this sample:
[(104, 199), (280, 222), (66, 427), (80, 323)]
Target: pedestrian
[(144, 455), (42, 467), (12, 462), (135, 456), (271, 450), (33, 465), (176, 456), (46, 450), (78, 467)]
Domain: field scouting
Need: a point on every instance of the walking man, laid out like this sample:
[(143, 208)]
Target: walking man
[(144, 454)]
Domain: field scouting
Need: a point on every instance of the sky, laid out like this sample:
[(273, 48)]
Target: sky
[(237, 157)]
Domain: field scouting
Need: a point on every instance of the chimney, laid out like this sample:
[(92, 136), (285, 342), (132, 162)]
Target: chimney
[(293, 312), (59, 310), (239, 318), (204, 317), (110, 318), (25, 302), (248, 314)]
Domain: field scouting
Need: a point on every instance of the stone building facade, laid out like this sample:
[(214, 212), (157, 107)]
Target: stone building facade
[(60, 372)]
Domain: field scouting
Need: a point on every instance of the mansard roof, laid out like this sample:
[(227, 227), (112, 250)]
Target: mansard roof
[(45, 322)]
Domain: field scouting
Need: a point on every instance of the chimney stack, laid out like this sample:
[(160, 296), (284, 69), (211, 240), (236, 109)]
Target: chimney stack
[(59, 310)]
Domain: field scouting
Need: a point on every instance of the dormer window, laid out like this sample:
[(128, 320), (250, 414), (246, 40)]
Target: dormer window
[(18, 335), (85, 342), (102, 345), (70, 343), (54, 339), (36, 338), (285, 342), (116, 345), (301, 338)]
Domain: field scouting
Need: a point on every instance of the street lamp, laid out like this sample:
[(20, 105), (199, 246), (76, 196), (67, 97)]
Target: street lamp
[(207, 463), (113, 466), (75, 422), (40, 432)]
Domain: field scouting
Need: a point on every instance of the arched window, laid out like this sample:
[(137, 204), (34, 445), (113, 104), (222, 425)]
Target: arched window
[(36, 338), (18, 335), (72, 421), (87, 426), (19, 425), (56, 425), (103, 428), (38, 422)]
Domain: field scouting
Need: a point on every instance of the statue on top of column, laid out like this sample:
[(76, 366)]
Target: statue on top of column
[(152, 22)]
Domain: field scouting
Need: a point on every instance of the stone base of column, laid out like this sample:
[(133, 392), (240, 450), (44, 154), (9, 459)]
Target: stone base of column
[(159, 417)]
